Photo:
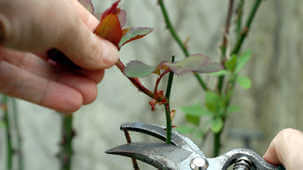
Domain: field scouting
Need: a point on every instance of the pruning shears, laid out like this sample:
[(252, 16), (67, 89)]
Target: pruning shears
[(183, 154)]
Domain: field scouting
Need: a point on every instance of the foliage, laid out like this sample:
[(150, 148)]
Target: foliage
[(204, 117)]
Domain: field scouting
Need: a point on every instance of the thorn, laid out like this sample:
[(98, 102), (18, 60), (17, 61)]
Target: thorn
[(172, 114)]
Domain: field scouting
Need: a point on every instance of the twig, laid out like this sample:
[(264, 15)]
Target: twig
[(9, 145), (18, 134), (245, 32), (158, 80), (239, 17), (167, 106), (66, 143), (177, 38), (224, 45), (136, 82), (128, 139), (236, 50)]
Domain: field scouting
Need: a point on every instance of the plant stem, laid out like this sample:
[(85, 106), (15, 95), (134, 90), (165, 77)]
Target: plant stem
[(239, 17), (231, 85), (9, 145), (66, 145), (18, 134), (217, 136), (167, 106), (177, 38), (224, 45), (158, 81), (217, 144), (245, 32), (128, 140)]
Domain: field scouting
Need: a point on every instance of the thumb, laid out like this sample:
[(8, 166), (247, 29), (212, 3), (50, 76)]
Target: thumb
[(286, 149), (86, 49), (37, 26)]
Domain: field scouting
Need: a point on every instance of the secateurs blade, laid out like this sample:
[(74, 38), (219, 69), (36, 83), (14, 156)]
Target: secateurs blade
[(183, 154)]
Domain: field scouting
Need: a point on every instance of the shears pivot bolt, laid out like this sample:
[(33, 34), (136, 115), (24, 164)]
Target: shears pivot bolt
[(199, 164)]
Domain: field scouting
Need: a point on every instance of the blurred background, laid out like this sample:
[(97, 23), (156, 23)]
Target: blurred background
[(273, 103)]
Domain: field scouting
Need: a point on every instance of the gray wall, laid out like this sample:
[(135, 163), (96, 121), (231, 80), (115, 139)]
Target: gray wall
[(273, 103)]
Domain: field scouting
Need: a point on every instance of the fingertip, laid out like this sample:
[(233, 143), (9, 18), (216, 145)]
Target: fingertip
[(61, 98), (109, 53), (86, 87), (87, 50)]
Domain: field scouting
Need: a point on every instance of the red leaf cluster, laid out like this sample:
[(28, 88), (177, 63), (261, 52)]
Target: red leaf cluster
[(111, 26)]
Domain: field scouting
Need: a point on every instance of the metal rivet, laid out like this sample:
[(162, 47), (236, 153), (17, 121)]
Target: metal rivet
[(199, 164)]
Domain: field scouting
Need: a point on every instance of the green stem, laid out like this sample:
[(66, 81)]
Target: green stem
[(231, 84), (18, 134), (217, 136), (66, 145), (217, 144), (225, 43), (245, 32), (239, 17), (9, 145), (167, 106), (177, 38)]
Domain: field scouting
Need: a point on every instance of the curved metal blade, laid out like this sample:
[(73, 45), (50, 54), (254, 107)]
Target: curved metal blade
[(152, 130), (159, 155), (160, 133)]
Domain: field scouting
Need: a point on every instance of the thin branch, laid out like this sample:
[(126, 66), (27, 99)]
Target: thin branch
[(128, 140), (18, 134), (9, 145), (245, 32), (232, 82), (227, 28), (136, 82), (66, 143), (167, 106), (177, 38), (158, 81), (239, 17), (224, 45)]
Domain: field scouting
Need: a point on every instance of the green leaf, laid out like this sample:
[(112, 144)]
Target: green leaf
[(213, 102), (88, 5), (195, 120), (195, 110), (231, 63), (242, 61), (244, 82), (185, 129), (216, 124), (134, 34), (220, 73), (195, 63), (138, 69)]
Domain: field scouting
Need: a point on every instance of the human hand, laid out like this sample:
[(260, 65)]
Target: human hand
[(286, 149), (28, 29)]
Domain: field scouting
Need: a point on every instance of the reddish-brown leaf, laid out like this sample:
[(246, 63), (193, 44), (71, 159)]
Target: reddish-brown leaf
[(131, 34), (112, 10), (110, 29)]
